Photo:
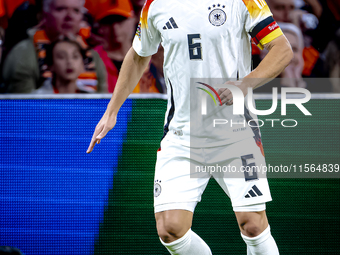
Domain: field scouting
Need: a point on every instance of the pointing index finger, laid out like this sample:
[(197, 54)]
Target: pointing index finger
[(94, 140), (91, 146)]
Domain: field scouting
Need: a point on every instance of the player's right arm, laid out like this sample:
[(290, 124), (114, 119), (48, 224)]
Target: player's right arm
[(145, 44), (131, 72)]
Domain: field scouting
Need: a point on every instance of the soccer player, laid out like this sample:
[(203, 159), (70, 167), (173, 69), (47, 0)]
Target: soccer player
[(204, 39)]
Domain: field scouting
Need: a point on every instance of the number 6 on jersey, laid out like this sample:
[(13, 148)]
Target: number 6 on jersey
[(195, 48)]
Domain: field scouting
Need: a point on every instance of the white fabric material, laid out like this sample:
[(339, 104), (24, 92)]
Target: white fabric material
[(188, 206), (176, 179), (197, 47), (263, 244), (189, 244), (248, 250), (250, 208)]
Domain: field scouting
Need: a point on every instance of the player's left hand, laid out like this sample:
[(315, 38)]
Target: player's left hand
[(226, 95)]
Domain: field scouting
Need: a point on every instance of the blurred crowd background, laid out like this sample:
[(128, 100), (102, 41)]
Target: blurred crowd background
[(77, 46)]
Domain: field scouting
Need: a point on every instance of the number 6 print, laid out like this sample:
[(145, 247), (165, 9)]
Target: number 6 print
[(250, 173), (195, 49)]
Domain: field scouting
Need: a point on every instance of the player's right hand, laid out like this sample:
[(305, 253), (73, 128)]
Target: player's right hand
[(103, 127)]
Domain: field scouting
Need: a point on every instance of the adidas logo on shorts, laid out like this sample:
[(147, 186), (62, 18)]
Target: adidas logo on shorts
[(254, 192)]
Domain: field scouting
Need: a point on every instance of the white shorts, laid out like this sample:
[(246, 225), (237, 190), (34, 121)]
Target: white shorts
[(182, 174)]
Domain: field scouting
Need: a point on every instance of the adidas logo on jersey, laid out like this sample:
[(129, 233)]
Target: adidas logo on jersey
[(171, 24), (253, 192)]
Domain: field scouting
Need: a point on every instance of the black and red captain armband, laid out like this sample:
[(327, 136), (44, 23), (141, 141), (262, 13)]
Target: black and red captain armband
[(266, 31)]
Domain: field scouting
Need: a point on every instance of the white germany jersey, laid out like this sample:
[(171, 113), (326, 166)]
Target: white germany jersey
[(203, 39)]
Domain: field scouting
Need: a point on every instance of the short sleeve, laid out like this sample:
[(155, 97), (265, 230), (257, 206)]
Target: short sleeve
[(147, 38), (259, 22)]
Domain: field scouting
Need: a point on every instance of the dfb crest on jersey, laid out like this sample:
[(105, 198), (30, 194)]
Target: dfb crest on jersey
[(217, 16), (157, 189)]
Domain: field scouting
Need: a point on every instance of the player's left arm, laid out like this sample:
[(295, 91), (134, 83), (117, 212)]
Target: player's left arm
[(266, 33), (278, 58)]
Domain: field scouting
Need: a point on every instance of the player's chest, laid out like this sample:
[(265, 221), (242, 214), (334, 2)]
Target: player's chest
[(213, 20)]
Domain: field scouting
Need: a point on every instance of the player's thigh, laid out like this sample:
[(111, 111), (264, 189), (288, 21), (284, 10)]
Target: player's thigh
[(174, 186), (242, 181), (173, 224)]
